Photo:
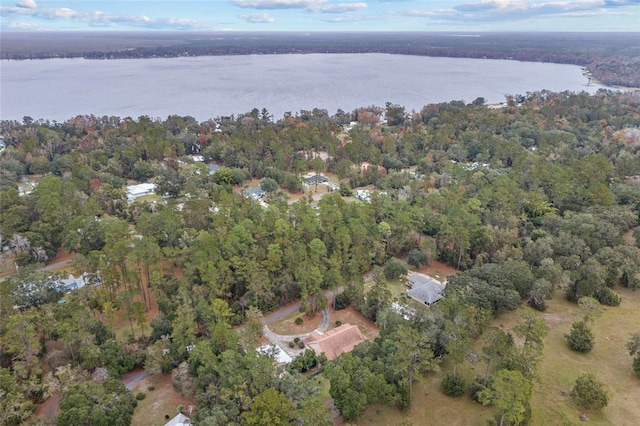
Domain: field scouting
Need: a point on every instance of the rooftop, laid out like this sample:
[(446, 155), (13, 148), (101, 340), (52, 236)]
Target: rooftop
[(335, 342), (424, 289)]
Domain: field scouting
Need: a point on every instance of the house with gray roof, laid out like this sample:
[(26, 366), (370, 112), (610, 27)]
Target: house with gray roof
[(313, 179), (254, 192), (424, 289)]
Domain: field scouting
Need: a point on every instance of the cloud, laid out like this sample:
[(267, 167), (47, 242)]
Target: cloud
[(340, 7), (24, 26), (503, 10), (279, 4), (28, 4), (98, 18), (258, 18), (352, 18), (317, 6)]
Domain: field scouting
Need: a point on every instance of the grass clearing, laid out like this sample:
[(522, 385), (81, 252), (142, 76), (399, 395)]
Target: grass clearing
[(609, 361), (287, 325), (158, 403), (431, 407), (551, 404), (151, 198)]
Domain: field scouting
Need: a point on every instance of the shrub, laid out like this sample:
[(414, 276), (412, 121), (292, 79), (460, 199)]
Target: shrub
[(453, 385), (296, 340), (476, 387), (345, 191), (338, 323), (303, 362), (290, 343), (342, 301), (417, 258), (140, 396), (403, 398), (269, 185), (298, 321), (636, 365), (606, 296), (394, 269), (539, 294), (301, 344), (580, 338), (590, 393), (150, 388)]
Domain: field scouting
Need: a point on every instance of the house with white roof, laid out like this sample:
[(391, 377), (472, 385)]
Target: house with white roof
[(364, 195), (179, 420), (280, 356), (136, 191), (73, 283)]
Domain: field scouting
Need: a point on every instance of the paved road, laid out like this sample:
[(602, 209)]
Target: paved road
[(133, 377), (56, 265), (295, 307), (281, 340)]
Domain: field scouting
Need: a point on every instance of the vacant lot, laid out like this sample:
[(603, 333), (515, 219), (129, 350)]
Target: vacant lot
[(609, 361), (160, 401), (559, 368)]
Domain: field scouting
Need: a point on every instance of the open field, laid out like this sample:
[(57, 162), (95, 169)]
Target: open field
[(287, 326), (151, 198), (608, 361), (431, 407), (160, 402)]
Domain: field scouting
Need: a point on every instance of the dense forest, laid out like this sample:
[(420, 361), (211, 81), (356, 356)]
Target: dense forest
[(540, 197), (611, 58)]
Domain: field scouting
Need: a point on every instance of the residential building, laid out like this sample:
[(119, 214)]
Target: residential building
[(254, 192), (336, 341), (424, 289), (136, 191)]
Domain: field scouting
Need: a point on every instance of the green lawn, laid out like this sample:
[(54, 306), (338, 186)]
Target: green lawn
[(147, 199), (609, 361)]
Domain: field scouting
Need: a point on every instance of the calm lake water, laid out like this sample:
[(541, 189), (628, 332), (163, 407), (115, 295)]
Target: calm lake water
[(212, 86)]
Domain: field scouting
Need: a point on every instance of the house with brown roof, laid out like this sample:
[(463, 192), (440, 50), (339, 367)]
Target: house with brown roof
[(336, 341)]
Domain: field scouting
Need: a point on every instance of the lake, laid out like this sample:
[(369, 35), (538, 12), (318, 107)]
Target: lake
[(212, 86)]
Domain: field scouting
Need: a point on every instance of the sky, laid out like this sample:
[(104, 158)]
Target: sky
[(321, 15)]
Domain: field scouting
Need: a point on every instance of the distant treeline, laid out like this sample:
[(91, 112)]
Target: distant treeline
[(611, 58)]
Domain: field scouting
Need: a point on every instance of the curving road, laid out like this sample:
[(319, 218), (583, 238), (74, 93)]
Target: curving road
[(281, 340), (295, 307)]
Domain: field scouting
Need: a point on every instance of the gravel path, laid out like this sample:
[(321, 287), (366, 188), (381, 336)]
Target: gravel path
[(132, 378)]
